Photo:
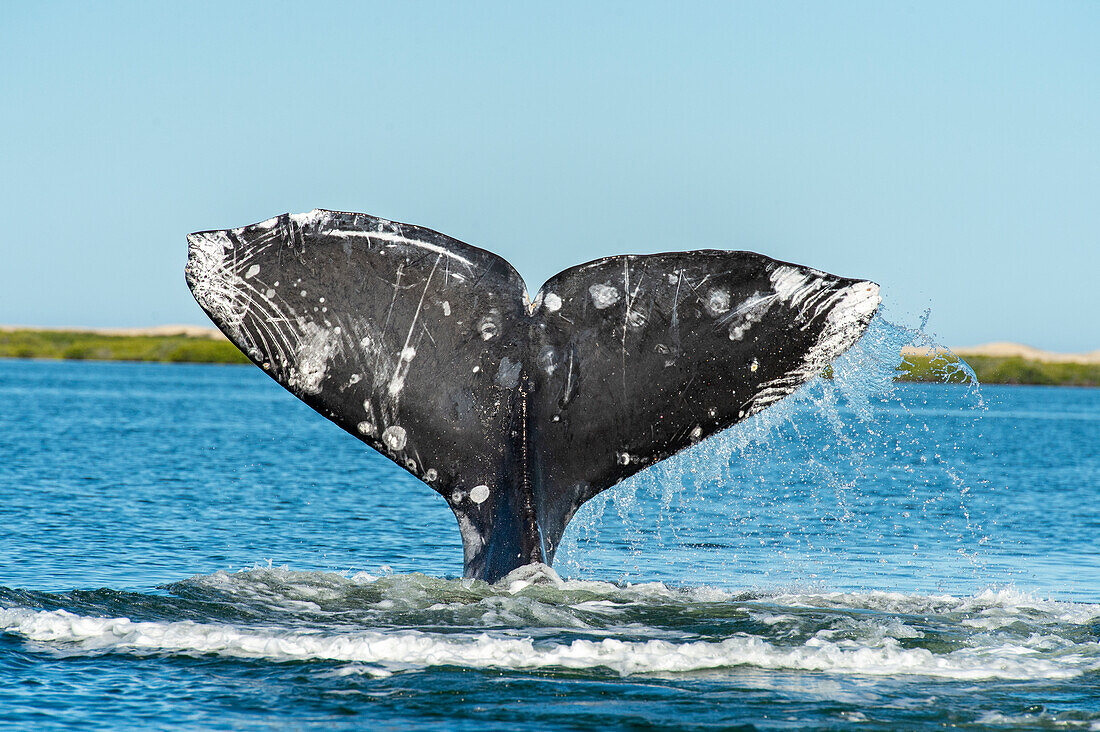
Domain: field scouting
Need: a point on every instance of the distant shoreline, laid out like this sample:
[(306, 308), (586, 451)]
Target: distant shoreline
[(192, 331), (993, 363), (165, 343)]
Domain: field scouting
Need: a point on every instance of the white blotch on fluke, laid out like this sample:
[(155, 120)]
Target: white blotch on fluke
[(508, 373), (446, 308), (635, 318), (309, 218), (603, 296), (487, 327), (213, 279), (252, 271), (786, 281), (395, 438), (315, 349), (552, 302), (717, 302), (479, 493), (366, 428), (748, 314), (546, 360)]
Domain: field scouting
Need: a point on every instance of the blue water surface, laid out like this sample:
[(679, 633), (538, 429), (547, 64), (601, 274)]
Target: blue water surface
[(190, 546)]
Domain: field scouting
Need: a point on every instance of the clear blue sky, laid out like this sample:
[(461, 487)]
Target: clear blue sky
[(949, 151)]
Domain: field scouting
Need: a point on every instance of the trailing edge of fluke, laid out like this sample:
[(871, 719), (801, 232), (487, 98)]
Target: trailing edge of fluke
[(517, 411)]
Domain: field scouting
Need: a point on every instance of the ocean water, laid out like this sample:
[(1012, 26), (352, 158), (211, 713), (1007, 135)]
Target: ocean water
[(189, 546)]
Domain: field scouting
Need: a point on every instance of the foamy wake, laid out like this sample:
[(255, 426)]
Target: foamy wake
[(1004, 634)]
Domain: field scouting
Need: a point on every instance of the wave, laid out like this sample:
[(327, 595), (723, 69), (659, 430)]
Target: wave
[(381, 625)]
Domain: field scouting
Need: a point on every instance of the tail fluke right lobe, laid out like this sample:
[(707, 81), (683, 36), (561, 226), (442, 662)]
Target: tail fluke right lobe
[(639, 357)]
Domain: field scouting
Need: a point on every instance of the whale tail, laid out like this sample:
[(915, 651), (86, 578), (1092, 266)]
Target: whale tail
[(517, 411)]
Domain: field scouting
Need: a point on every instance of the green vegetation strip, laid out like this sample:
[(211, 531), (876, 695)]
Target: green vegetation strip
[(61, 344), (996, 370), (64, 344)]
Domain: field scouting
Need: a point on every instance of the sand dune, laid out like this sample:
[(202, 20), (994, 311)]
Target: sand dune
[(1006, 349), (195, 331)]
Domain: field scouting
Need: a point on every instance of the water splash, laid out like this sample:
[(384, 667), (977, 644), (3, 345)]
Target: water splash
[(378, 626), (802, 486)]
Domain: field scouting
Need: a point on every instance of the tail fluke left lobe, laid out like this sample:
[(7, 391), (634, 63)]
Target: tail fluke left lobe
[(409, 340)]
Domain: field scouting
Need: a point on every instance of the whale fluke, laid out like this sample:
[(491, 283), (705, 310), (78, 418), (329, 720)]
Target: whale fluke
[(517, 411)]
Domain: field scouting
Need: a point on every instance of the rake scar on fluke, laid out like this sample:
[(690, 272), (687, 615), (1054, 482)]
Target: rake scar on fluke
[(517, 411)]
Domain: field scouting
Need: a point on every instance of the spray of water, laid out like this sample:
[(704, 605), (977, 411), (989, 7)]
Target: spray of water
[(854, 481)]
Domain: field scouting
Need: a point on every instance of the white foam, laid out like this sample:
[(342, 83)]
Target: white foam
[(342, 618), (1004, 602), (390, 650)]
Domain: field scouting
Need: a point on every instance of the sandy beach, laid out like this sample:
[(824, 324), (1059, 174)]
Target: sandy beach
[(1007, 349), (192, 331)]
